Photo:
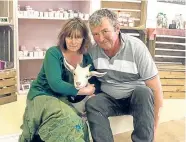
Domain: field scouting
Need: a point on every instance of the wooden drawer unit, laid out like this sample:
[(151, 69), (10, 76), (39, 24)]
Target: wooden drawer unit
[(170, 46), (8, 87)]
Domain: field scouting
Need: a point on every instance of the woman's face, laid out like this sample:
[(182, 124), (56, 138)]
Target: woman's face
[(74, 42)]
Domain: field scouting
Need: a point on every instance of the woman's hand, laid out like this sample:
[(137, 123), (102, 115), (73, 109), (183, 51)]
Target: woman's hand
[(88, 90)]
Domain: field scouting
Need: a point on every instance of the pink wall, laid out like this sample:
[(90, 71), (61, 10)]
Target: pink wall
[(29, 68), (42, 33)]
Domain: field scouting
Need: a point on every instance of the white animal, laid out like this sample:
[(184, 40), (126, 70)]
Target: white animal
[(81, 77)]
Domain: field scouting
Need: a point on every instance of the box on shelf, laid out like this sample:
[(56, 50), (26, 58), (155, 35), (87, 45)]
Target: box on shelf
[(8, 87), (132, 13), (2, 65), (36, 52), (26, 83), (6, 65)]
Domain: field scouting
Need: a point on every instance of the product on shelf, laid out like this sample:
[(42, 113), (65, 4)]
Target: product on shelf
[(38, 52), (125, 19), (35, 53), (179, 21), (2, 65), (6, 65), (60, 13), (162, 20), (25, 83)]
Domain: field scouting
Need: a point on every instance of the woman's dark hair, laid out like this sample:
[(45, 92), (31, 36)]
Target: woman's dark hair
[(76, 28)]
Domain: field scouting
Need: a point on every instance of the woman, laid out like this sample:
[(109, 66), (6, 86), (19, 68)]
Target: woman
[(49, 114)]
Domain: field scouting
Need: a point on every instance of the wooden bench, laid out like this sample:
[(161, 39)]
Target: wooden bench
[(8, 87)]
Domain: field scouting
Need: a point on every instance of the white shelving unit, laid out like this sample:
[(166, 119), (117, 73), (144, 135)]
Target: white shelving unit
[(35, 31)]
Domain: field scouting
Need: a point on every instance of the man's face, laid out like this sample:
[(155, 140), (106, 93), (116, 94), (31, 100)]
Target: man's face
[(105, 35)]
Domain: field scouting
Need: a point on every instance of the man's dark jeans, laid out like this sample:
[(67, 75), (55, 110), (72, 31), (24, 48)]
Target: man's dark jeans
[(140, 105)]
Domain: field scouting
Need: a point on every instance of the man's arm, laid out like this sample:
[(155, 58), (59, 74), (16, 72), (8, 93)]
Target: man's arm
[(156, 87)]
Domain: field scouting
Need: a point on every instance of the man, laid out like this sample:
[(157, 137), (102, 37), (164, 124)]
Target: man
[(131, 85)]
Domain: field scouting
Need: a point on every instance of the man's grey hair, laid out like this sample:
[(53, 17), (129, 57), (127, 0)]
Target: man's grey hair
[(96, 18)]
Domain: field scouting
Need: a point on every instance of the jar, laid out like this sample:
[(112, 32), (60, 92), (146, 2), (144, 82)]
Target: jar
[(131, 22)]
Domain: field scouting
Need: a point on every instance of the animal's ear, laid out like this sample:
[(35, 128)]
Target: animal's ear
[(97, 74), (78, 66), (88, 66), (68, 66)]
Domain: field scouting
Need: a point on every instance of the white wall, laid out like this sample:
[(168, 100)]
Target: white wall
[(95, 5), (151, 14), (170, 10)]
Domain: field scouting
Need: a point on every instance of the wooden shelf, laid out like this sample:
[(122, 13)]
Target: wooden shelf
[(126, 10), (170, 43), (165, 56), (169, 46), (134, 1), (170, 36)]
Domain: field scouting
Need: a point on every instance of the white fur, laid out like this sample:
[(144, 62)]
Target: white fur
[(81, 76)]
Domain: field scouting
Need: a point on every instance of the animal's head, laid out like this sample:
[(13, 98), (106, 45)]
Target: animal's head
[(81, 75)]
